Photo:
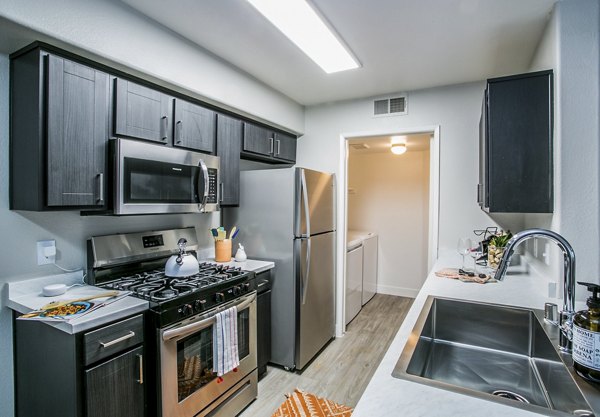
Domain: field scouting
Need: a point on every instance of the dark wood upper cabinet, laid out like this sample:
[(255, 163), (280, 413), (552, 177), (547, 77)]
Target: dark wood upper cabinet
[(59, 131), (258, 140), (285, 147), (195, 127), (267, 145), (229, 139), (516, 151), (142, 112)]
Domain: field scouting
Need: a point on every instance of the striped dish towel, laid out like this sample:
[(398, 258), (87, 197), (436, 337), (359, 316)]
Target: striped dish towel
[(225, 342)]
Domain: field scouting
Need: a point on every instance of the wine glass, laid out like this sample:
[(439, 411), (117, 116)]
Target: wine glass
[(476, 252), (463, 247)]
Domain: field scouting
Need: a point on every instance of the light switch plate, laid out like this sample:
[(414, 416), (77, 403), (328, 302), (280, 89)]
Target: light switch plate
[(46, 252)]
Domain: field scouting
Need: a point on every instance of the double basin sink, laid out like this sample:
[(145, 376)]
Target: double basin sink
[(497, 353)]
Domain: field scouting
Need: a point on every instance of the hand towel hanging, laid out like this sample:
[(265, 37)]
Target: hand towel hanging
[(225, 342)]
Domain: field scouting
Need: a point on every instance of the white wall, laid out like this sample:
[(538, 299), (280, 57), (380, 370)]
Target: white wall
[(391, 196), (455, 109), (570, 46), (118, 33)]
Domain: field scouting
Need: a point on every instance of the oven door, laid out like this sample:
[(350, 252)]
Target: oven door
[(156, 179), (188, 384)]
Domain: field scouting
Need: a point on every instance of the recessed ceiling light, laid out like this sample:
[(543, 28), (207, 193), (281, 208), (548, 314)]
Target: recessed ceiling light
[(398, 149), (303, 26)]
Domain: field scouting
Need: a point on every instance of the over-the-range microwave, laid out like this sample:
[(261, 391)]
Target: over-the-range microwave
[(156, 179)]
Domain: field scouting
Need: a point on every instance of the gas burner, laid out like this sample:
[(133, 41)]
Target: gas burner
[(155, 286)]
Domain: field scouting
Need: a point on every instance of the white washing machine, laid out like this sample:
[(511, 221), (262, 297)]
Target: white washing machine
[(369, 278), (361, 270), (354, 271)]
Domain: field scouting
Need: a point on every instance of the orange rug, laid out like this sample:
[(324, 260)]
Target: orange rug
[(303, 404)]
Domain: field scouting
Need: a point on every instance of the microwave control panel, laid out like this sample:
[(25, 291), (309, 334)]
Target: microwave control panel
[(212, 186)]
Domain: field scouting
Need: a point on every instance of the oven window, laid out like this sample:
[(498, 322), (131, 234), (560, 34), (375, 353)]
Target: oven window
[(195, 356), (148, 181)]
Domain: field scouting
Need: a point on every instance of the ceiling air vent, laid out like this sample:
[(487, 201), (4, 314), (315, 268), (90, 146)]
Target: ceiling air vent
[(359, 146), (391, 106)]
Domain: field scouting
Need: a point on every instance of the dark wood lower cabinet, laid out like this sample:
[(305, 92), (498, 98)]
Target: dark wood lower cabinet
[(54, 375), (115, 388)]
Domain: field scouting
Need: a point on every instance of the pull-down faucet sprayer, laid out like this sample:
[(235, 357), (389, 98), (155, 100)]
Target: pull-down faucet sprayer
[(566, 315)]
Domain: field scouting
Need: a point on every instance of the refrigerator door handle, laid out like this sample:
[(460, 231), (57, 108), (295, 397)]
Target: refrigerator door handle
[(306, 274), (305, 198)]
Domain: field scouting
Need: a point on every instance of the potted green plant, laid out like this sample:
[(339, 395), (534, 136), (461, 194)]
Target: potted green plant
[(496, 248)]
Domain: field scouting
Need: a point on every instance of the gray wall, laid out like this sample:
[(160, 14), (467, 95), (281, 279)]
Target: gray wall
[(455, 109)]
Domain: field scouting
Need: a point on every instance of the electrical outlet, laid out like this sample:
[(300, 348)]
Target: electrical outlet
[(46, 252), (546, 254)]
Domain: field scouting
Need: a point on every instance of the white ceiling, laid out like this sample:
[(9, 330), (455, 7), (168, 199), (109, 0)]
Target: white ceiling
[(402, 45), (382, 144)]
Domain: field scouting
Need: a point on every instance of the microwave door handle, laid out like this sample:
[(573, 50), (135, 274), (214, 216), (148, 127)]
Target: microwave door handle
[(204, 197)]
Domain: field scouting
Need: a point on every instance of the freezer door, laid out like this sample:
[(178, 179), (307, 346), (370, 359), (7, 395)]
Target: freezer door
[(315, 203), (315, 305)]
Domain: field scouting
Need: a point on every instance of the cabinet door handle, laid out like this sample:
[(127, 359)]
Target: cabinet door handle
[(164, 127), (117, 340), (278, 147), (178, 131), (271, 146), (141, 365), (221, 188), (100, 188)]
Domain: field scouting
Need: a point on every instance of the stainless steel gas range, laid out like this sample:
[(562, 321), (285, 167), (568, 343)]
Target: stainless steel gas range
[(179, 324)]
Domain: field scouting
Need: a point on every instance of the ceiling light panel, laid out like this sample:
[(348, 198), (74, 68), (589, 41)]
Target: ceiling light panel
[(303, 26)]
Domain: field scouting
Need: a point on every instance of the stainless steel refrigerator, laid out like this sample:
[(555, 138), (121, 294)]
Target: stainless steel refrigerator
[(288, 216)]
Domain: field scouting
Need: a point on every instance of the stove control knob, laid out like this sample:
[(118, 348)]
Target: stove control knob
[(246, 286), (199, 305), (186, 310), (237, 290), (219, 297)]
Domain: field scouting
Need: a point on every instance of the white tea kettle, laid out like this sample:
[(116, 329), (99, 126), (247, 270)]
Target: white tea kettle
[(182, 265)]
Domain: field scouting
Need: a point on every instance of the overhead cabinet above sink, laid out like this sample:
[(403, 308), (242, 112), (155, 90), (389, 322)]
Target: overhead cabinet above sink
[(515, 148)]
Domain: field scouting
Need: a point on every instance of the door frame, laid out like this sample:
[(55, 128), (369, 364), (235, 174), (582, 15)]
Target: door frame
[(342, 204)]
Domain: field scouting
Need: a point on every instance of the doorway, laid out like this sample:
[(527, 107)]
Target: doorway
[(395, 197)]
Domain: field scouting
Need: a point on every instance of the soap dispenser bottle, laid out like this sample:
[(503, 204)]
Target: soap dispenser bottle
[(586, 337)]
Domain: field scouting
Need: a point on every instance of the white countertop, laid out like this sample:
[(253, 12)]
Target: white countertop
[(389, 396), (25, 296), (248, 265)]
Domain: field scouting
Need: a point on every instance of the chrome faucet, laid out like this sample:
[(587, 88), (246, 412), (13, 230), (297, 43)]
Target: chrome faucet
[(566, 315)]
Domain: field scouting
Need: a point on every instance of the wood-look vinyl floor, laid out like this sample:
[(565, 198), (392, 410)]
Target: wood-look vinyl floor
[(343, 369)]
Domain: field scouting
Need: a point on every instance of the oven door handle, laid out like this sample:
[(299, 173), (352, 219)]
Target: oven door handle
[(203, 324)]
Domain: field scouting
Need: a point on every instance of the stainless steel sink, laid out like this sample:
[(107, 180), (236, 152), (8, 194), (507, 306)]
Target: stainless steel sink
[(499, 353)]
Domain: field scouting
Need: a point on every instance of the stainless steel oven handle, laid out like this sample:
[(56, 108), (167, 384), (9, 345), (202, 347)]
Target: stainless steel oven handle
[(204, 198), (203, 324)]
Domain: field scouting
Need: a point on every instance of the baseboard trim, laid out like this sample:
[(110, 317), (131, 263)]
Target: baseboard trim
[(398, 291)]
